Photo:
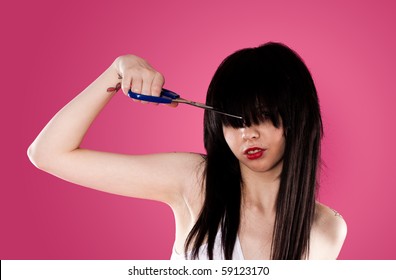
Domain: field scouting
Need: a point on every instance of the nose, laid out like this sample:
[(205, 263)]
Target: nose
[(249, 133)]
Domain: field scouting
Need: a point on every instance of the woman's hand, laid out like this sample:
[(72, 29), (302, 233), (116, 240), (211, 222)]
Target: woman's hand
[(139, 76)]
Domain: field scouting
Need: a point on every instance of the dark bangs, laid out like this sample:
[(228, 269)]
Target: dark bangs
[(250, 84)]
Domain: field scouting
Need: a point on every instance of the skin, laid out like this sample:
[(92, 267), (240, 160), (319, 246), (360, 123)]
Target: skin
[(261, 186), (177, 182)]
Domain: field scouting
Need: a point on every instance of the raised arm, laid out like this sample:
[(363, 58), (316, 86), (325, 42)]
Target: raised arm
[(56, 149)]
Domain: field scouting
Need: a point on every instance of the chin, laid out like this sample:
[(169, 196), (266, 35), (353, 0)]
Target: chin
[(262, 167), (257, 167)]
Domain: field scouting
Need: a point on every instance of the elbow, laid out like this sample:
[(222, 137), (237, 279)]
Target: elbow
[(36, 157), (32, 155)]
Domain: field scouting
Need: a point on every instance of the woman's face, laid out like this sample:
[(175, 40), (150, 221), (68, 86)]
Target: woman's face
[(259, 147)]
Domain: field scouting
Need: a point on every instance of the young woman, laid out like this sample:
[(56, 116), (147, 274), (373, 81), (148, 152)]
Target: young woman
[(253, 195)]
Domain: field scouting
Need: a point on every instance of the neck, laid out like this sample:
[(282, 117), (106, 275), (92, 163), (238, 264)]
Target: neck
[(260, 189)]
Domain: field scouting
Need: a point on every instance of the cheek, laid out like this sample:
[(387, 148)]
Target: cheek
[(278, 140), (280, 144), (231, 138)]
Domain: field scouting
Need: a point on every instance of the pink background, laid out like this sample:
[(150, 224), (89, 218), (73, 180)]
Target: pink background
[(51, 50)]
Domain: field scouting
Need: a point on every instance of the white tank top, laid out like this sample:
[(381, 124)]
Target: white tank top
[(217, 251)]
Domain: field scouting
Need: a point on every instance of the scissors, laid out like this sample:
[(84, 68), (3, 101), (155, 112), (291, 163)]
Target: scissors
[(168, 96)]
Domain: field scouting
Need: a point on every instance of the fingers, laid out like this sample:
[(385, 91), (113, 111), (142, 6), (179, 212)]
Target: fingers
[(138, 76), (147, 82), (157, 83)]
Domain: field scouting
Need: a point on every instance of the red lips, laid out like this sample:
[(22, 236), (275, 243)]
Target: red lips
[(254, 153)]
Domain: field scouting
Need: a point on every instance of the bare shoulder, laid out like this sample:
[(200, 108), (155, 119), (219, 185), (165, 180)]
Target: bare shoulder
[(192, 165), (329, 231), (192, 162)]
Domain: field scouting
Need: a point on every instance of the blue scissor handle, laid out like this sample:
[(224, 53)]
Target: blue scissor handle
[(166, 97)]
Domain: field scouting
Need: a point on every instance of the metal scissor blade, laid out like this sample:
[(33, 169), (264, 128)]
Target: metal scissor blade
[(204, 106)]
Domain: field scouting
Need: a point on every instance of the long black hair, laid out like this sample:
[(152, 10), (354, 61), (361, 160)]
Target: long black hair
[(267, 82)]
